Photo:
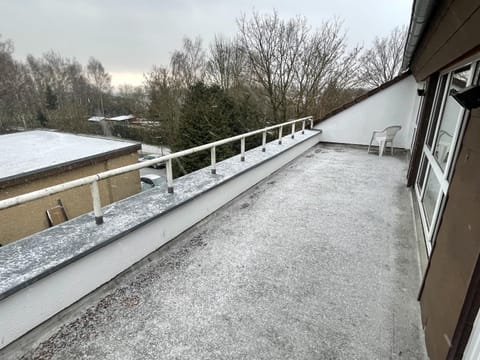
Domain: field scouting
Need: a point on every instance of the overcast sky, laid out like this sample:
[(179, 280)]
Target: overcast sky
[(128, 37)]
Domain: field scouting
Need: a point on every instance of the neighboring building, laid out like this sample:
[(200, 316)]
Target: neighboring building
[(37, 159), (96, 118), (122, 119), (144, 122), (443, 51)]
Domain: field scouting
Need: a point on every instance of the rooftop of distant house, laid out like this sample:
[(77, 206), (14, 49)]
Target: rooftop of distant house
[(37, 151), (96, 118), (115, 118)]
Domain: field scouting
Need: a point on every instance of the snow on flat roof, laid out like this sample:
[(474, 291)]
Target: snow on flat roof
[(32, 151), (121, 118), (96, 118)]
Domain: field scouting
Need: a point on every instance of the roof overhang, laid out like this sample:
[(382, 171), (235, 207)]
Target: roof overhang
[(421, 11)]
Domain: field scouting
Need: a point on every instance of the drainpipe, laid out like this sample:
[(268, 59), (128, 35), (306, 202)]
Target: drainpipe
[(420, 14)]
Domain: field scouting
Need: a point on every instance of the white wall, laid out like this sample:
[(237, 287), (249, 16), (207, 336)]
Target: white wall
[(395, 105), (29, 307), (472, 350)]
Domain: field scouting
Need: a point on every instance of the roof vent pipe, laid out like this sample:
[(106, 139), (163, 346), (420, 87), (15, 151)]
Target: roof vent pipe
[(420, 14)]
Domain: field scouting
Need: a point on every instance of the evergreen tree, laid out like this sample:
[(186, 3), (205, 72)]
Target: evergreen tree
[(51, 100), (208, 114), (42, 119)]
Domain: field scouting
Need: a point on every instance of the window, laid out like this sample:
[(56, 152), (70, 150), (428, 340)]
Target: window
[(445, 127), (450, 117), (430, 196), (438, 105)]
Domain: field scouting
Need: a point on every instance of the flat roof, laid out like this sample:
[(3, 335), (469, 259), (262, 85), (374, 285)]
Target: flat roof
[(281, 272), (47, 251), (30, 152), (96, 118), (121, 118)]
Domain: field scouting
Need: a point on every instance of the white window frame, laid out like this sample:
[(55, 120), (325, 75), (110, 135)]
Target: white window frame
[(442, 176), (472, 350)]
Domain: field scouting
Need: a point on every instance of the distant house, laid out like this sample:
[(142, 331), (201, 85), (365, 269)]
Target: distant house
[(144, 122), (125, 119), (96, 118), (37, 159)]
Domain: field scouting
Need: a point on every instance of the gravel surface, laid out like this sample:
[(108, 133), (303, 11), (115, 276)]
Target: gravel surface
[(316, 262)]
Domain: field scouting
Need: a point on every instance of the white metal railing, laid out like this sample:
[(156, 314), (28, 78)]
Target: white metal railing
[(92, 180)]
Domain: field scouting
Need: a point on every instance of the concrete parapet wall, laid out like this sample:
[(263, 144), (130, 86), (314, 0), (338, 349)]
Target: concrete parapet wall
[(88, 256)]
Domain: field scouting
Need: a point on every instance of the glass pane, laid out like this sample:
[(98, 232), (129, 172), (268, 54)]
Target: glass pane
[(421, 174), (477, 73), (448, 122), (432, 188), (436, 111)]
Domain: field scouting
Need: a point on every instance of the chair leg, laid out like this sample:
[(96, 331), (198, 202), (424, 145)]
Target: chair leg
[(381, 148), (391, 147)]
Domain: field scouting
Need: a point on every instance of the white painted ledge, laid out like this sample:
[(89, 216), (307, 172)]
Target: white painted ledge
[(49, 271)]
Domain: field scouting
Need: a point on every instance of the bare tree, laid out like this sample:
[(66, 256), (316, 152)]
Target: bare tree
[(188, 64), (61, 91), (100, 79), (273, 47), (131, 99), (7, 65), (324, 59), (382, 62), (165, 95), (227, 64), (7, 81), (17, 95)]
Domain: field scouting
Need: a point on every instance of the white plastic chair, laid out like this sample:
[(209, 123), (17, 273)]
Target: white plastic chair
[(383, 137)]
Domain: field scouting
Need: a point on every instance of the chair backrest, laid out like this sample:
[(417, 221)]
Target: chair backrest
[(444, 133), (391, 131)]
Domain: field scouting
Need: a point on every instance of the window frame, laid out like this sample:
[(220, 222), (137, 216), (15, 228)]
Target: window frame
[(430, 227)]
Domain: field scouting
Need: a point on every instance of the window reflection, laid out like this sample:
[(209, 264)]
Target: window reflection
[(432, 189), (421, 175), (436, 112), (450, 115)]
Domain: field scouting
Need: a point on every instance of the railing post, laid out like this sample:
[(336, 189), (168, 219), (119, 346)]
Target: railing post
[(97, 206), (264, 140), (293, 130), (280, 135), (242, 149), (214, 159), (303, 127), (169, 176), (311, 123)]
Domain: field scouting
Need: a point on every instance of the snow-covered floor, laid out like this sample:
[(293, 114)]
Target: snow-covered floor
[(316, 262)]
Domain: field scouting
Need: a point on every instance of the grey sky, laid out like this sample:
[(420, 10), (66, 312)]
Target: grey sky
[(128, 37)]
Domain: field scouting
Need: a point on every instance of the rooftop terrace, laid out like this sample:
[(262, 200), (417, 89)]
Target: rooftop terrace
[(317, 261)]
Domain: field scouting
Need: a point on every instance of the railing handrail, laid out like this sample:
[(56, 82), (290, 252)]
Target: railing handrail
[(92, 180)]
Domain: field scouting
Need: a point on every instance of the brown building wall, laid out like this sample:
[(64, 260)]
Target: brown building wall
[(451, 35), (456, 249), (453, 31), (22, 220)]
